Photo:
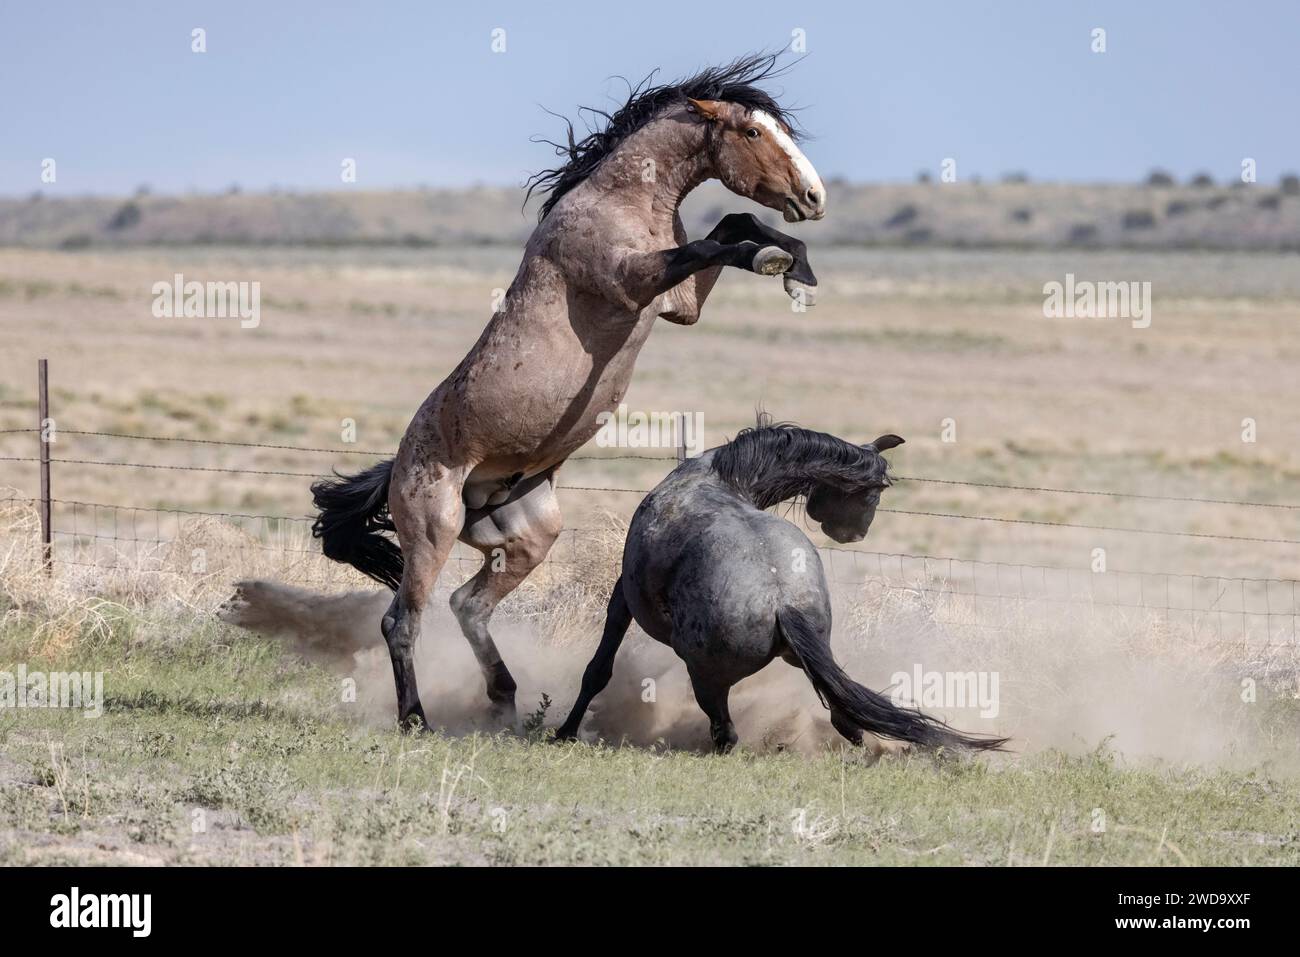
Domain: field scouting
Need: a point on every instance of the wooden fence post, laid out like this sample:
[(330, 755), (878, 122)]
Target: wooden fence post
[(43, 414)]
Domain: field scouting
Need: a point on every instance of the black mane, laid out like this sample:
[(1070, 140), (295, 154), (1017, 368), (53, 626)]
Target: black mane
[(734, 82), (777, 461)]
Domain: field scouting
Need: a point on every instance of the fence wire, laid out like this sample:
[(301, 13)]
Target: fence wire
[(160, 540), (983, 594)]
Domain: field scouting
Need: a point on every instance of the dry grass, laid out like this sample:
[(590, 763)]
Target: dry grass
[(212, 723), (1071, 676), (1108, 708), (899, 342)]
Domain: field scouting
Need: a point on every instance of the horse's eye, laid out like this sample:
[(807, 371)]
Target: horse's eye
[(752, 133)]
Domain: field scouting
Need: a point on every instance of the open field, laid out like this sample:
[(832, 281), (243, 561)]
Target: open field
[(1021, 215), (1118, 710), (901, 341)]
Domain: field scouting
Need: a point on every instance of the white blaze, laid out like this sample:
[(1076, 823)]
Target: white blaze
[(808, 178)]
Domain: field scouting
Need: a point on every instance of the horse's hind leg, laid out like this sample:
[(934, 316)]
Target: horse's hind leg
[(514, 538), (711, 694), (426, 508), (617, 619), (845, 726)]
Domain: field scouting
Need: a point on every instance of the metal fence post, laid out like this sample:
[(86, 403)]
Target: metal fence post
[(43, 414)]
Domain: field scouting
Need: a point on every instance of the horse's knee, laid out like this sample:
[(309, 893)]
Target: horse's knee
[(529, 549), (398, 627), (462, 603), (389, 621)]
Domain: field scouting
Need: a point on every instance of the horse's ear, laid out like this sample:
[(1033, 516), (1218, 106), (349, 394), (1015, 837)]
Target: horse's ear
[(710, 110), (886, 442)]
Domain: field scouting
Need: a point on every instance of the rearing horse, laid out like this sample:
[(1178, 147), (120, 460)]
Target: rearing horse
[(608, 257)]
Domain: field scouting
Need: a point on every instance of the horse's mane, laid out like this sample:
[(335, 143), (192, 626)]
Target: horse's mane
[(734, 82), (777, 461)]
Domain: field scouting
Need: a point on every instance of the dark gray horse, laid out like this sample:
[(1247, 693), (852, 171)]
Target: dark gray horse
[(730, 586)]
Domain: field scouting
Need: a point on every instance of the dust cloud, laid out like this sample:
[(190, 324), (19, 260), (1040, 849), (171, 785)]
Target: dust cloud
[(1074, 685)]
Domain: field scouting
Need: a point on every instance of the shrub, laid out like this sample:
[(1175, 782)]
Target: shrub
[(1083, 233), (127, 215), (903, 216), (1139, 219)]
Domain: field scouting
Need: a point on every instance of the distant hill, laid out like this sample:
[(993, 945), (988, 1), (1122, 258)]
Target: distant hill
[(967, 214)]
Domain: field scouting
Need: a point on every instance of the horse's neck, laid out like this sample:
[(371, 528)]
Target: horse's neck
[(655, 168)]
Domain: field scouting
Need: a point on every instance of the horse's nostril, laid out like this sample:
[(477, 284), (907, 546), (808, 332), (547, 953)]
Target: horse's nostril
[(813, 196)]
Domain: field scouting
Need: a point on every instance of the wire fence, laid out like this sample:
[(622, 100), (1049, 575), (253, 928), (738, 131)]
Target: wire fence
[(190, 541)]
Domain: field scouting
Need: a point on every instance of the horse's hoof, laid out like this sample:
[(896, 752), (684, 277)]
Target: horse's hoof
[(503, 716), (772, 260), (806, 295), (415, 725)]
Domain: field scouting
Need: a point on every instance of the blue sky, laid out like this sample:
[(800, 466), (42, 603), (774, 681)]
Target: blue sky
[(415, 94)]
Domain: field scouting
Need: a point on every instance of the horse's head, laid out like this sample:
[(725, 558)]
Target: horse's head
[(755, 156), (845, 514)]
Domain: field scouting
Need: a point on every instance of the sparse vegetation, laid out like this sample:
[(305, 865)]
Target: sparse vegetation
[(127, 215), (1059, 403), (1082, 234), (902, 216), (1139, 219), (214, 747), (963, 214)]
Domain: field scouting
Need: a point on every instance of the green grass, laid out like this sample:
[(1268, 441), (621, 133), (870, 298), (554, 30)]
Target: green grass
[(214, 748)]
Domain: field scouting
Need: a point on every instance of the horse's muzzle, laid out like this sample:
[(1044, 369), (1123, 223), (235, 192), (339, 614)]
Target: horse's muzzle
[(797, 211)]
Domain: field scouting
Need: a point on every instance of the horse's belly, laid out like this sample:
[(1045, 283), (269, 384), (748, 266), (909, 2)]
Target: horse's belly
[(533, 389), (531, 423)]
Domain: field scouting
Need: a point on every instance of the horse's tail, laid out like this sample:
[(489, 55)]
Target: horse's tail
[(863, 707), (353, 519)]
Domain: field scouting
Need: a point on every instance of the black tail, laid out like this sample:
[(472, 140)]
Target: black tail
[(352, 521), (865, 708)]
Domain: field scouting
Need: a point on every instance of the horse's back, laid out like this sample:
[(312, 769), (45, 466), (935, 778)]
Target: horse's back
[(706, 572)]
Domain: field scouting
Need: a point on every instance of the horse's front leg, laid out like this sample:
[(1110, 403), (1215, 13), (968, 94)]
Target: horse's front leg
[(641, 277), (746, 227)]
